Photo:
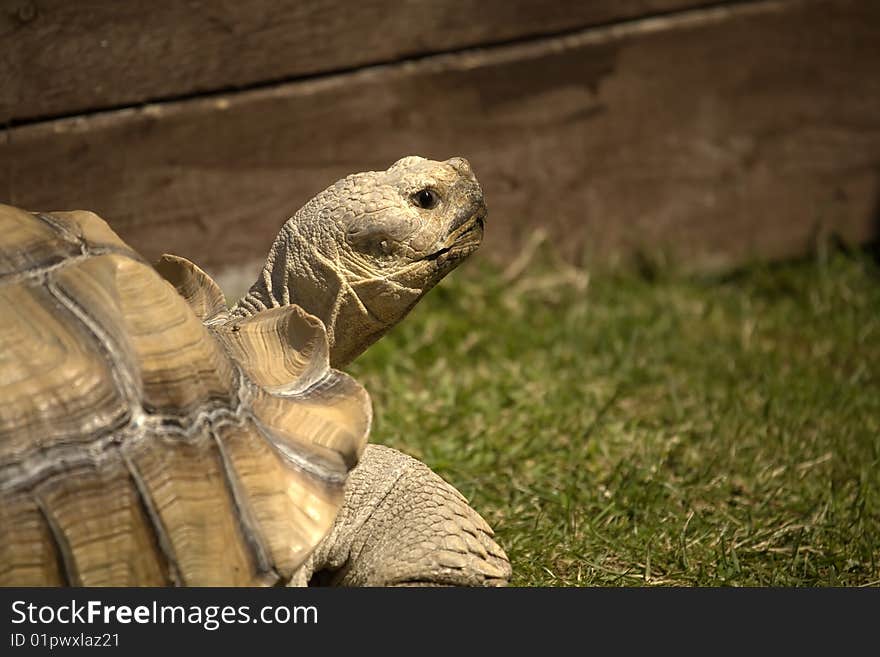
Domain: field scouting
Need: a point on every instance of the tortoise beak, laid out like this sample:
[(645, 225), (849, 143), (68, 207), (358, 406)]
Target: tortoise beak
[(464, 238)]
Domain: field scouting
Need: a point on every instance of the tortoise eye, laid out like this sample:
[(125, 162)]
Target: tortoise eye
[(426, 199)]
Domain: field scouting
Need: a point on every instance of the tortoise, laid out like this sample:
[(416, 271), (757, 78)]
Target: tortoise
[(152, 436)]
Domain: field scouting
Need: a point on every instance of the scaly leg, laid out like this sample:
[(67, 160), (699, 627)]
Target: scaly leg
[(402, 525)]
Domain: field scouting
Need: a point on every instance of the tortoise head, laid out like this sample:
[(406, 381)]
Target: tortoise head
[(415, 222), (361, 253)]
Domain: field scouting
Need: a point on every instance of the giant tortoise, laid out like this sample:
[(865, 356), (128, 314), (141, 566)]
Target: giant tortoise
[(150, 435)]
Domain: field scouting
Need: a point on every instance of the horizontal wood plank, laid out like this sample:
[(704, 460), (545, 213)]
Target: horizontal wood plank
[(716, 135), (59, 57)]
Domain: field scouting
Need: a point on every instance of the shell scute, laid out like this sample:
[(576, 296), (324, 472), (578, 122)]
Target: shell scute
[(140, 447)]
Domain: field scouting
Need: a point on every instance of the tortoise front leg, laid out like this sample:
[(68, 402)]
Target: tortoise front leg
[(402, 525)]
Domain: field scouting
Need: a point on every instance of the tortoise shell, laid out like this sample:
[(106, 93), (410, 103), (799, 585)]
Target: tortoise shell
[(144, 439)]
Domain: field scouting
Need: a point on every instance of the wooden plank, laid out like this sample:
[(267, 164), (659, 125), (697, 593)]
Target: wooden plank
[(59, 57), (717, 135)]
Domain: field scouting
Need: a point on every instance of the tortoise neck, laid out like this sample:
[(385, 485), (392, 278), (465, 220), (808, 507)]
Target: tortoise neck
[(272, 288), (297, 273), (250, 304)]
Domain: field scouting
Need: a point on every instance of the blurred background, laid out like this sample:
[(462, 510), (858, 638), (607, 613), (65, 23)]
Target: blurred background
[(714, 131), (662, 365)]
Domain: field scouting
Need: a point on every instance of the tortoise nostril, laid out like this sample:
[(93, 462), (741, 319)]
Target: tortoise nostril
[(461, 165)]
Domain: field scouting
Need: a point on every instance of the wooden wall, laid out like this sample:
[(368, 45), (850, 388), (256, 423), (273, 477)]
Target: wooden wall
[(711, 131)]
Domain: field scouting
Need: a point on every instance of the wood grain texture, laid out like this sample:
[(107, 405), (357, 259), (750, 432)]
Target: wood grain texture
[(61, 57), (716, 135)]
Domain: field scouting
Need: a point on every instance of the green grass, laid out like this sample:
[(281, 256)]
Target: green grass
[(661, 429)]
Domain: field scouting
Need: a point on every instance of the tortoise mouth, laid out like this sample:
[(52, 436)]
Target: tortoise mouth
[(465, 239)]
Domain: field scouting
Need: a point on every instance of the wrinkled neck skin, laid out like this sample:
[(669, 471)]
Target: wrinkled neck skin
[(361, 253), (309, 266)]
